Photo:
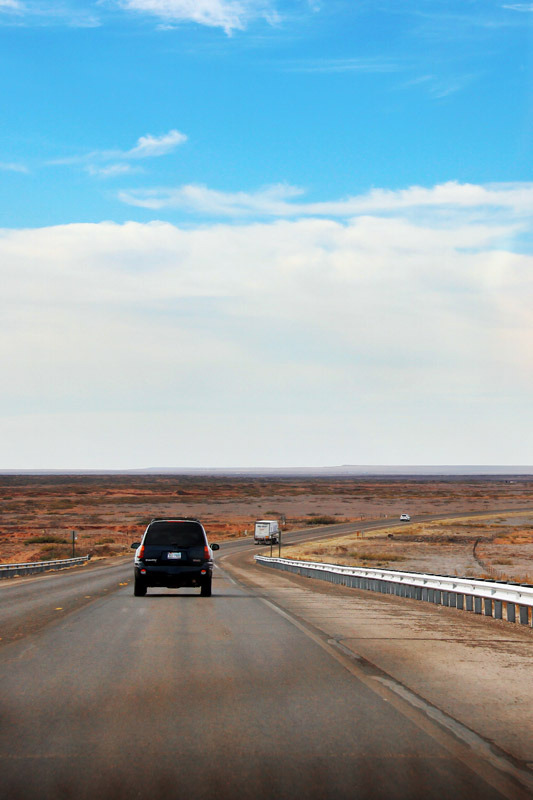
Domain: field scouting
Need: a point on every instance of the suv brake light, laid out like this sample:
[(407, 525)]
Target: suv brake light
[(206, 553), (141, 552)]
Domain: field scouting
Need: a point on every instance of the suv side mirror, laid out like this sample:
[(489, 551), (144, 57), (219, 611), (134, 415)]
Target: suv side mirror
[(135, 545), (215, 547)]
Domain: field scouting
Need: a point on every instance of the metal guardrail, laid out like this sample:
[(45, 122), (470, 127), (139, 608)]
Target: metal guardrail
[(10, 570), (486, 597)]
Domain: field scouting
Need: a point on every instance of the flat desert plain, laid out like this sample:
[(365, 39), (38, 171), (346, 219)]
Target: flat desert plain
[(110, 511)]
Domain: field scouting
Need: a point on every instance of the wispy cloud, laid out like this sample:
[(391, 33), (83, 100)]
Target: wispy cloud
[(110, 170), (527, 7), (462, 24), (441, 86), (13, 166), (281, 200), (148, 146), (268, 201), (445, 86), (333, 65), (18, 12), (230, 15)]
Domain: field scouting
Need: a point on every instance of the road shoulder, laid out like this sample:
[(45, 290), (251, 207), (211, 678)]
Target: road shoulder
[(477, 671)]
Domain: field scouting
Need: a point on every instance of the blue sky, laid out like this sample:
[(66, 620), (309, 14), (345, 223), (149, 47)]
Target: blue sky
[(245, 233)]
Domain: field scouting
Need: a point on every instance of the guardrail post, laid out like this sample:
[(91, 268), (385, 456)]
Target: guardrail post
[(488, 607), (477, 605), (460, 601), (524, 615), (511, 612), (498, 609), (469, 602)]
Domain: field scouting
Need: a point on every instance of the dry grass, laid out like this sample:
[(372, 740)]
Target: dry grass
[(442, 547)]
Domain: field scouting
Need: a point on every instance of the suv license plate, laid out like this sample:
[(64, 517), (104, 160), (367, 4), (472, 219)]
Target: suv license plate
[(174, 555)]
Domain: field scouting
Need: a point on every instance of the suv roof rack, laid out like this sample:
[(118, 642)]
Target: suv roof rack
[(174, 519)]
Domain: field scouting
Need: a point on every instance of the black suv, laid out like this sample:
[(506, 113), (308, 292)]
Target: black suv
[(173, 553)]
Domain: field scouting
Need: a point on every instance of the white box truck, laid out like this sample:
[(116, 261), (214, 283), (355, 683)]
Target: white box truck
[(266, 531)]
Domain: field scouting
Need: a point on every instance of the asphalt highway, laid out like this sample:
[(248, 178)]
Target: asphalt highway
[(105, 695)]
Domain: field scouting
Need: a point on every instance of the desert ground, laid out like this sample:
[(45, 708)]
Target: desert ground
[(109, 512), (496, 546)]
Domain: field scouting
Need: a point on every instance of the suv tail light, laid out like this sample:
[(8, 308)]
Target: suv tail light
[(206, 553), (141, 552)]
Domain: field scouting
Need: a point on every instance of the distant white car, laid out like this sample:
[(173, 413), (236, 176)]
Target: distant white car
[(405, 518)]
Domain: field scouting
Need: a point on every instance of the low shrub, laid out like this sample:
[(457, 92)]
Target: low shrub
[(45, 539)]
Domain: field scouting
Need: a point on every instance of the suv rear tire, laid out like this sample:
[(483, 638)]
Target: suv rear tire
[(205, 591), (139, 588)]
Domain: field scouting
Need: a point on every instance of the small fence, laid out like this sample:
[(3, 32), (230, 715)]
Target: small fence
[(487, 597), (11, 570)]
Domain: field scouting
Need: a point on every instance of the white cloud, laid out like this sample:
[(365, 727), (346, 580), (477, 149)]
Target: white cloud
[(280, 200), (152, 146), (230, 15), (11, 5), (402, 329)]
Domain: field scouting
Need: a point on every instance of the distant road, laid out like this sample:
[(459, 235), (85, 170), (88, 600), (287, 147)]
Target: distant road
[(316, 533), (174, 696)]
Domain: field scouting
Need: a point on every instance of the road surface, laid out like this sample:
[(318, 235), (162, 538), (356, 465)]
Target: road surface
[(176, 696)]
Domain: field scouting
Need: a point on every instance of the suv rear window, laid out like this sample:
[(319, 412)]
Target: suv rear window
[(175, 534)]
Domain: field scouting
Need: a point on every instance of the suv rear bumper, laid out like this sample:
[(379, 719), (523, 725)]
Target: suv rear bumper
[(173, 577)]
